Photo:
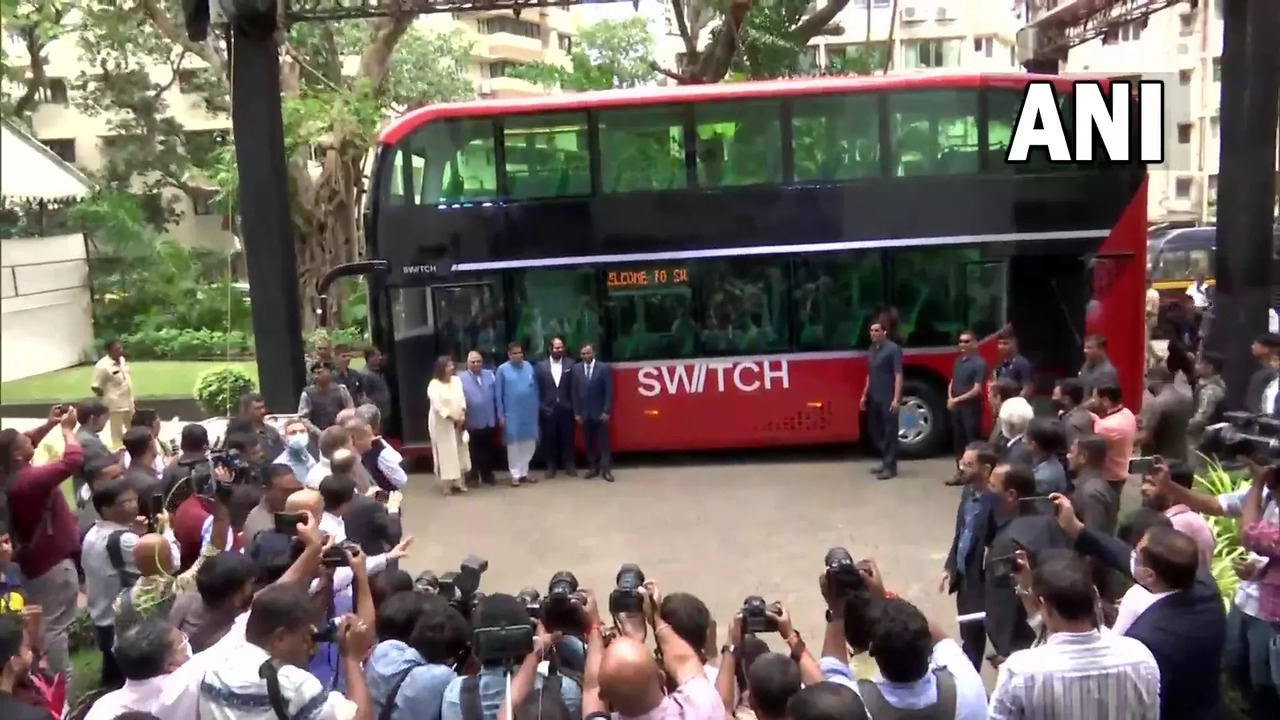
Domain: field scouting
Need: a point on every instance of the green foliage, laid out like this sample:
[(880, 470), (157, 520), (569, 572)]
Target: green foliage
[(769, 47), (218, 390), (1226, 531), (187, 344), (32, 24), (143, 282), (609, 54)]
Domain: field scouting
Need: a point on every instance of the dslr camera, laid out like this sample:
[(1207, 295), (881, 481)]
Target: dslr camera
[(757, 617), (628, 591), (844, 576), (339, 555), (459, 588), (1243, 435), (561, 608)]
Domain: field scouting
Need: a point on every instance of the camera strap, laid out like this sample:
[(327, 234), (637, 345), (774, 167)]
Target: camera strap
[(116, 555), (269, 673), (389, 705), (469, 698)]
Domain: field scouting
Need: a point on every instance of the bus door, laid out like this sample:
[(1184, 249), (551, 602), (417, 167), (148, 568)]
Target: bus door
[(468, 317), (440, 320), (1047, 299)]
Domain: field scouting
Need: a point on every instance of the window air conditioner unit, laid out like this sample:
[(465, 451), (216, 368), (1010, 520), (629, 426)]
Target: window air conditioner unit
[(908, 14), (1182, 49), (945, 15), (485, 87)]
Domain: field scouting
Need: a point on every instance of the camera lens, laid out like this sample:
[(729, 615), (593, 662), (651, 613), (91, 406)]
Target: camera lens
[(562, 583), (837, 556)]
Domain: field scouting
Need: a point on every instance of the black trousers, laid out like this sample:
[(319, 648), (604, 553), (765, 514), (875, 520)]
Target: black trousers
[(966, 426), (973, 635), (484, 452), (883, 425), (106, 637), (595, 435), (557, 438)]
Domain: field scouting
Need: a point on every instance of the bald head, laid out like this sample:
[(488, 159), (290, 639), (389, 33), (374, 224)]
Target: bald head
[(629, 678), (305, 500), (152, 556)]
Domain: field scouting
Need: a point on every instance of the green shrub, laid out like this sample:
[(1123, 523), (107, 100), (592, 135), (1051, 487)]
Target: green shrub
[(1226, 531), (218, 390), (186, 344)]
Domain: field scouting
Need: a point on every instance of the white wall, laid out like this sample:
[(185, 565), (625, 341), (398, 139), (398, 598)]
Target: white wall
[(46, 319)]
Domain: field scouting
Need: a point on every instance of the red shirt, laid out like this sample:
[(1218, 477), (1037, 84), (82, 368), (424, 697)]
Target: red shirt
[(188, 529), (34, 496)]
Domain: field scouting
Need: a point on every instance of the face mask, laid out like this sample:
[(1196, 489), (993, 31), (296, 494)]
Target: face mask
[(297, 442)]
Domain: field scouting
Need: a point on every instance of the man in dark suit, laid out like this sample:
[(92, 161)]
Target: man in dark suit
[(554, 378), (373, 525), (962, 573), (592, 400), (1018, 522), (1184, 624)]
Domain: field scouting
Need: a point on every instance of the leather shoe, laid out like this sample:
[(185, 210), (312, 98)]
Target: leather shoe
[(608, 476), (592, 473)]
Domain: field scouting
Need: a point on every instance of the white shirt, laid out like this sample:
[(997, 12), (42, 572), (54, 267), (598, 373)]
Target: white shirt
[(230, 691), (317, 474), (1079, 676), (589, 369), (102, 579), (971, 694), (557, 368), (1198, 296), (391, 463), (180, 692), (1248, 595), (333, 526), (1273, 321), (1269, 396), (135, 696), (1136, 601)]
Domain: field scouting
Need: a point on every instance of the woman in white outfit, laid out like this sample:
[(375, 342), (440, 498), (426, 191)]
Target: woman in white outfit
[(446, 424)]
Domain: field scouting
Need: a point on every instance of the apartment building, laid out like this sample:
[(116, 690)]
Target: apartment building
[(500, 41), (1181, 46), (927, 36), (503, 40)]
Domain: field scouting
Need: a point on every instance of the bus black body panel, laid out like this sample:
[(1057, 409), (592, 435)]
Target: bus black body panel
[(946, 206)]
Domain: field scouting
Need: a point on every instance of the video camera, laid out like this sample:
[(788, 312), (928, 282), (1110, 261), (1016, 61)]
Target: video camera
[(459, 588), (1243, 435), (758, 615), (628, 591), (339, 554)]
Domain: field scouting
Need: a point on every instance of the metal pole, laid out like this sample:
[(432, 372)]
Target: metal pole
[(265, 223), (1246, 186)]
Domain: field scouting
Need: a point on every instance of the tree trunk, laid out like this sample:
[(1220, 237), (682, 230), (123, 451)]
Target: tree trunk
[(888, 48)]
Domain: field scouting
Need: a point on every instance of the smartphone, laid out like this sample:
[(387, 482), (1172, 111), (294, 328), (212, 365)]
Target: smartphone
[(1142, 465), (157, 504), (382, 496), (288, 523)]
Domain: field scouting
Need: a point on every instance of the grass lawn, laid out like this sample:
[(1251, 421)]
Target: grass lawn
[(151, 379)]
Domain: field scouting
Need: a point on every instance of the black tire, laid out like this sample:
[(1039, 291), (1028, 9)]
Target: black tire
[(923, 401)]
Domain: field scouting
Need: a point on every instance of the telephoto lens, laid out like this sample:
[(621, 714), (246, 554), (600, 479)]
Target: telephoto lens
[(628, 591)]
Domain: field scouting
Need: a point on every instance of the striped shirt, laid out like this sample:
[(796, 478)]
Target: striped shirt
[(1079, 676)]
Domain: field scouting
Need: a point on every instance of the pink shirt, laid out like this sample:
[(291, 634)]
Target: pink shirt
[(1194, 525), (697, 699), (1120, 428)]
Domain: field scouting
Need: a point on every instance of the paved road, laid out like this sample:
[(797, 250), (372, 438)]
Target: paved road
[(722, 530)]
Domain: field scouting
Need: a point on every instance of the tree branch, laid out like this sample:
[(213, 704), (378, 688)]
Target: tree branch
[(818, 21), (375, 61), (716, 61), (682, 26), (175, 65), (682, 79), (206, 51), (36, 76)]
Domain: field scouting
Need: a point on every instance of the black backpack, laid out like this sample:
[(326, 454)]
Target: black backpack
[(473, 709)]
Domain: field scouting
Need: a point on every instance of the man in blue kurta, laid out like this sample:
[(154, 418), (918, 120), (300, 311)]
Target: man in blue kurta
[(516, 395)]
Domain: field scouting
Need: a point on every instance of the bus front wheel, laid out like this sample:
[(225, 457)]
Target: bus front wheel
[(922, 420)]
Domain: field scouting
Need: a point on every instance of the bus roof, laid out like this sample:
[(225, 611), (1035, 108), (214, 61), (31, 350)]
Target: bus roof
[(398, 127)]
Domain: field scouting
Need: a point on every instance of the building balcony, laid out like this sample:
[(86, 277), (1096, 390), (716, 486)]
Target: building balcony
[(509, 46), (508, 87)]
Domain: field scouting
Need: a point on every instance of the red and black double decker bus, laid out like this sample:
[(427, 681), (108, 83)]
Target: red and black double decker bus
[(726, 247)]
